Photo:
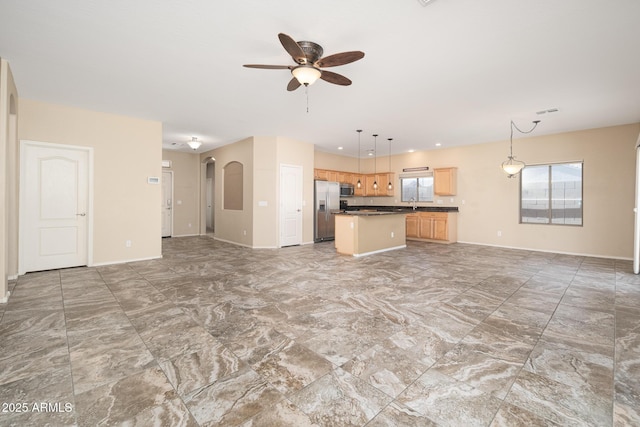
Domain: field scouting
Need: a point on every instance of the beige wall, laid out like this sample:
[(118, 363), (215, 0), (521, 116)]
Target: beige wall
[(8, 181), (261, 157), (126, 152), (296, 153), (265, 201), (186, 194), (233, 225), (489, 201)]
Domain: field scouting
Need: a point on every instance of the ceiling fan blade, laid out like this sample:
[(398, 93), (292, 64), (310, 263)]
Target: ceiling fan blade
[(335, 78), (269, 67), (292, 48), (293, 84), (340, 59)]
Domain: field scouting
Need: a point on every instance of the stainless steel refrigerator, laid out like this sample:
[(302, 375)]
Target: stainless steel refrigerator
[(327, 203)]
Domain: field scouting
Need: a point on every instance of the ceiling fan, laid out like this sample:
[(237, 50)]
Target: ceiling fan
[(309, 61)]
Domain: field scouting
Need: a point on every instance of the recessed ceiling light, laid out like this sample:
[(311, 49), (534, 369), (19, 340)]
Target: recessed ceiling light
[(438, 144), (411, 151), (340, 148)]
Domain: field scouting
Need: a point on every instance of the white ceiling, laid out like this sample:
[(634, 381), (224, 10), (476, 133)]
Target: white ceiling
[(452, 72)]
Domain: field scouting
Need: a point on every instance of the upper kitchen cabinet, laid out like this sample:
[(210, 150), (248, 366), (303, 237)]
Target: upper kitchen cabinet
[(445, 181), (325, 175), (382, 179)]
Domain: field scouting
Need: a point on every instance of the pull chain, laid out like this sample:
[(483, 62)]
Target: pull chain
[(306, 92)]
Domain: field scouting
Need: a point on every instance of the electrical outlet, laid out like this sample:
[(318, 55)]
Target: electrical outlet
[(392, 235), (127, 243), (499, 233), (244, 232)]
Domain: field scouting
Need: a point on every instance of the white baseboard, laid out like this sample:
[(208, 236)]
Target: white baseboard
[(547, 251), (5, 299), (380, 251), (124, 261)]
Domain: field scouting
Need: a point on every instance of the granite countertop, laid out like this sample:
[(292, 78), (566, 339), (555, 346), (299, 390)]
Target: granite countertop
[(401, 209), (371, 212)]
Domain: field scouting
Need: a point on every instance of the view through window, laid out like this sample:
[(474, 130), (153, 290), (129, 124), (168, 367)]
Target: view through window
[(417, 188), (551, 194)]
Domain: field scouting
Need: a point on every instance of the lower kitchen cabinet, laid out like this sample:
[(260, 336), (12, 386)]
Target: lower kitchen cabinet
[(432, 226), (413, 229)]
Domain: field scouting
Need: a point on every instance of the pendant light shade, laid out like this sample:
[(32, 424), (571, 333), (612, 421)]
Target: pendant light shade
[(194, 143), (511, 166)]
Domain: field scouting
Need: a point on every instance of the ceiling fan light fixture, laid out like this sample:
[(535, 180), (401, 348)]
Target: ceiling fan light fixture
[(306, 74), (194, 143)]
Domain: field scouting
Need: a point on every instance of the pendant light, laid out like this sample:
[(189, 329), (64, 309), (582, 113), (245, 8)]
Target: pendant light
[(511, 166), (389, 185), (359, 183), (375, 160)]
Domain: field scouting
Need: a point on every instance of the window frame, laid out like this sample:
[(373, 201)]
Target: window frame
[(417, 177), (549, 166)]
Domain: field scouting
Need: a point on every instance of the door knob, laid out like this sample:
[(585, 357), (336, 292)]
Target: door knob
[(82, 214)]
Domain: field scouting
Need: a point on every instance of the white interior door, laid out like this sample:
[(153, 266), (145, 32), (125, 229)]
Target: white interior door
[(290, 205), (54, 196), (167, 203)]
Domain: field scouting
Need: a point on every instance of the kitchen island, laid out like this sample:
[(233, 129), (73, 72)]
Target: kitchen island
[(366, 232)]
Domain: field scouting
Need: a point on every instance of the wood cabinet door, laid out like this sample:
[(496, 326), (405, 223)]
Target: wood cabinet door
[(426, 227), (444, 181), (440, 229), (412, 226), (383, 180), (358, 191), (321, 174), (347, 178), (369, 180), (332, 176)]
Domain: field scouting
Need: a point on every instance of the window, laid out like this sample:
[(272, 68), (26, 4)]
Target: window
[(551, 194), (418, 188)]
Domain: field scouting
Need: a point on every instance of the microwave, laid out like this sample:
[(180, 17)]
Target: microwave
[(346, 190)]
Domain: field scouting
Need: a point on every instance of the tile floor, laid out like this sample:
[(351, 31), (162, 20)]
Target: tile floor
[(216, 334)]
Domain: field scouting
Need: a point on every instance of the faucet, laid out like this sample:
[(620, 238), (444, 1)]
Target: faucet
[(413, 202)]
